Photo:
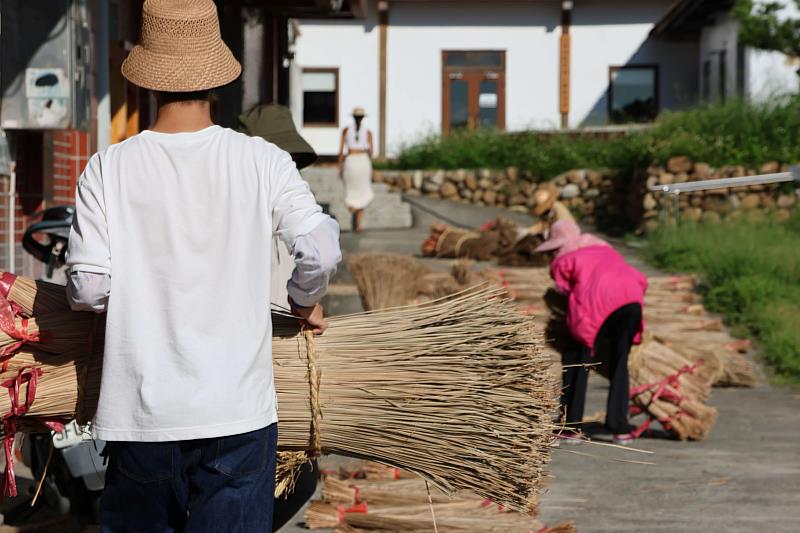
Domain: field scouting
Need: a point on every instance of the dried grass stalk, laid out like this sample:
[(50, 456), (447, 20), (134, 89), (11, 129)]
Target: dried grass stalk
[(50, 332), (386, 280), (673, 389), (37, 297), (457, 392), (456, 517)]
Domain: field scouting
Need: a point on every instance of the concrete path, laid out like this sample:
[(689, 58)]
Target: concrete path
[(745, 477)]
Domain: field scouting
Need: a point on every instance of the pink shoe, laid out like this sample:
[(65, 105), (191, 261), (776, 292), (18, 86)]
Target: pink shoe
[(624, 439), (570, 437)]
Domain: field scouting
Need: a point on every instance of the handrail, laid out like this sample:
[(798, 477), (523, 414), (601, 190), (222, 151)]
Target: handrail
[(722, 183), (675, 189)]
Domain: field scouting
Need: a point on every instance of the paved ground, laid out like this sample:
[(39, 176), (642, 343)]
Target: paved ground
[(745, 477)]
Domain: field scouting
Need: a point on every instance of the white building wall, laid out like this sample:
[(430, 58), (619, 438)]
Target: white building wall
[(419, 32), (352, 47), (771, 73), (604, 33), (608, 33)]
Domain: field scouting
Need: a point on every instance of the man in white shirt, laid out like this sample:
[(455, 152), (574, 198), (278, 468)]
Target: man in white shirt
[(171, 237)]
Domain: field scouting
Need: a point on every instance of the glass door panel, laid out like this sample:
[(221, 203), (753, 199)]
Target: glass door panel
[(488, 102), (459, 104)]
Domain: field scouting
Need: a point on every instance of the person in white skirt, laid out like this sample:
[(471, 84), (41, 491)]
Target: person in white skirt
[(355, 167)]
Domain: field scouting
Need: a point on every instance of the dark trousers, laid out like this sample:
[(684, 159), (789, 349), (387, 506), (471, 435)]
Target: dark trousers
[(219, 484), (612, 346)]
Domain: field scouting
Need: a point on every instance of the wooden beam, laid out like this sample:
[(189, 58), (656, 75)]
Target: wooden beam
[(383, 29), (564, 63)]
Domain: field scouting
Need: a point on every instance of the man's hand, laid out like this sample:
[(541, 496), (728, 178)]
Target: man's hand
[(312, 317)]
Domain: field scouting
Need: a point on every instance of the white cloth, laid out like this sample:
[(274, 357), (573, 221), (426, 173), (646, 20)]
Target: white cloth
[(358, 181), (182, 225), (317, 253)]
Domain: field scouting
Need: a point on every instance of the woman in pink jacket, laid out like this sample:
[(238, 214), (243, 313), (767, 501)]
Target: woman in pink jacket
[(605, 298)]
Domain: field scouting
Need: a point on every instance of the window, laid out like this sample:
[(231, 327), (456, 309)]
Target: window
[(706, 81), (722, 91), (473, 89), (741, 65), (321, 97), (633, 93)]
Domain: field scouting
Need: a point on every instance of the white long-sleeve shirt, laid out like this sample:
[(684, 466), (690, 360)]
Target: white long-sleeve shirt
[(174, 232), (316, 257)]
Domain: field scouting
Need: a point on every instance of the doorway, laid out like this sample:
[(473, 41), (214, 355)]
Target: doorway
[(473, 90)]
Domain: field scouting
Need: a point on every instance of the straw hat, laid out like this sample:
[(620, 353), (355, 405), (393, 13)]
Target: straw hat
[(181, 49), (275, 124), (359, 112), (561, 232), (545, 196)]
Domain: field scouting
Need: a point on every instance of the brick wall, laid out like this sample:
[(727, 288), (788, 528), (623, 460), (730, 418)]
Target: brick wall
[(48, 165)]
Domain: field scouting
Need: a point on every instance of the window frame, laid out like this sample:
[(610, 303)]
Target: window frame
[(473, 71), (323, 70), (656, 82)]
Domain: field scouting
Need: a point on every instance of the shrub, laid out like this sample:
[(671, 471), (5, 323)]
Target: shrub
[(732, 133), (750, 273)]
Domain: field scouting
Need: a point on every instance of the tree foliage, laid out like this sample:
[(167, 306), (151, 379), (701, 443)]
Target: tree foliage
[(762, 26)]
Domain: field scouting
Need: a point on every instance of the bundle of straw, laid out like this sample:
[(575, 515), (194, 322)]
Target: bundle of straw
[(32, 296), (671, 390), (465, 516), (386, 280), (457, 392), (50, 332)]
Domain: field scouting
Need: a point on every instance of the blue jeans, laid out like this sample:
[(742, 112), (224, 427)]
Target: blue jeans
[(220, 484)]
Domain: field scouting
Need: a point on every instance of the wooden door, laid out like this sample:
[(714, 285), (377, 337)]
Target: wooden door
[(473, 90)]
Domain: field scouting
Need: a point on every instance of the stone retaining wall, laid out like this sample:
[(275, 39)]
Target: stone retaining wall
[(604, 198)]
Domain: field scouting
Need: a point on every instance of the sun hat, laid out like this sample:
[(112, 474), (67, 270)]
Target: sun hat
[(545, 196), (274, 123), (566, 237), (561, 232), (180, 49), (359, 112)]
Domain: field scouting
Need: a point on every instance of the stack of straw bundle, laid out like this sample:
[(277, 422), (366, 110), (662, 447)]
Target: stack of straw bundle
[(673, 312), (457, 392), (409, 505), (386, 280), (452, 242), (671, 390)]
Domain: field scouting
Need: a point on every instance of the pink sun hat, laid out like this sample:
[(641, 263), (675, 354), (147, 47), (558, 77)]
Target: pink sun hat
[(561, 232)]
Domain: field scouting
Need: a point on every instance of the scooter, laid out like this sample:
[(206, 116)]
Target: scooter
[(74, 480), (73, 474)]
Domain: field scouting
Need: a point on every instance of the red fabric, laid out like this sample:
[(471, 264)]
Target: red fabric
[(597, 281), (6, 281), (25, 375)]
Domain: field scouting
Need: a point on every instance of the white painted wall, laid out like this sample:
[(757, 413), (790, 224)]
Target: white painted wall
[(419, 32), (608, 33), (605, 33), (771, 73), (352, 46)]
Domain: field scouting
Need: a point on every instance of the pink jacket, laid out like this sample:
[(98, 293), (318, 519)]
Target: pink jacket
[(597, 281)]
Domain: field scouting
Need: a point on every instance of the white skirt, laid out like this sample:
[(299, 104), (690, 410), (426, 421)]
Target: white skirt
[(358, 181)]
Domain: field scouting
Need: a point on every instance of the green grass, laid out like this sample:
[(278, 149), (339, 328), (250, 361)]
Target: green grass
[(733, 133), (751, 275)]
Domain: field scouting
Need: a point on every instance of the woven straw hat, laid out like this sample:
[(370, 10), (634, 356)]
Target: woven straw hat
[(359, 112), (545, 196), (181, 49)]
